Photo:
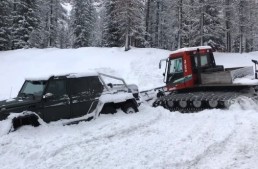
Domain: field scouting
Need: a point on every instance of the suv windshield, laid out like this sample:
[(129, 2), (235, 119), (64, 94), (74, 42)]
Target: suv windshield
[(35, 88)]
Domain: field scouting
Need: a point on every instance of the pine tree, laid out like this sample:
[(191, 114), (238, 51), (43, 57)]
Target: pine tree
[(25, 20), (228, 23), (124, 23), (165, 24), (83, 18), (213, 31), (52, 16), (110, 35), (4, 25)]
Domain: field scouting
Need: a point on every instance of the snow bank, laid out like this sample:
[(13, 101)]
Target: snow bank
[(153, 138), (235, 59), (246, 80), (138, 66)]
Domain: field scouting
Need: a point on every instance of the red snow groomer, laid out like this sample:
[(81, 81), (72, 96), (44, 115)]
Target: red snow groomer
[(194, 82)]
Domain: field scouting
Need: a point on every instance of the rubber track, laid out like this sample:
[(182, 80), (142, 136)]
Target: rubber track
[(224, 99)]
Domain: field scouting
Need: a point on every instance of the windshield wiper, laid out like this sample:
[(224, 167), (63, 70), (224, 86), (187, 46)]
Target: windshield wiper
[(26, 95), (23, 95)]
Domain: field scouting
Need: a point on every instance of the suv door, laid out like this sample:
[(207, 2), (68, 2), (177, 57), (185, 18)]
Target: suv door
[(56, 101), (85, 93)]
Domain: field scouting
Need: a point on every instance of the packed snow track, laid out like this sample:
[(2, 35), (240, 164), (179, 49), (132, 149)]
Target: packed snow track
[(153, 138)]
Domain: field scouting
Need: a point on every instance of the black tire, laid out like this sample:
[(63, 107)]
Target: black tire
[(129, 107), (25, 120)]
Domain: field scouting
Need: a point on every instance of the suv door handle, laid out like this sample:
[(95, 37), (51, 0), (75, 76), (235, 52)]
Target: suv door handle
[(67, 101)]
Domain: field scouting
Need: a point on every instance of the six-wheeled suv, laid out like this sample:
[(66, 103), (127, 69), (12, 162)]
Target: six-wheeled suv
[(71, 97)]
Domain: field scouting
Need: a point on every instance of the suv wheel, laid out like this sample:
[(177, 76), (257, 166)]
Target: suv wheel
[(129, 108), (25, 120)]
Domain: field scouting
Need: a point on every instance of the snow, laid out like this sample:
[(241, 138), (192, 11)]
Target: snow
[(138, 66), (246, 80), (70, 75), (190, 49), (86, 74), (68, 7), (152, 138), (39, 78), (148, 139), (10, 100), (115, 97)]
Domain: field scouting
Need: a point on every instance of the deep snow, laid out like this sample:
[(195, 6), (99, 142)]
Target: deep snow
[(152, 138), (138, 66)]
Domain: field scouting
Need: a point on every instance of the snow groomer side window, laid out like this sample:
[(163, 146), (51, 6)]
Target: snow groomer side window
[(204, 60)]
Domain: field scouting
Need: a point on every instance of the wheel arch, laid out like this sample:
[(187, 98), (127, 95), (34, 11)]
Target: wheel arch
[(25, 119)]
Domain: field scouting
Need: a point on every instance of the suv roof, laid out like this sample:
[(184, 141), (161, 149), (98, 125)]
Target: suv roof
[(69, 75)]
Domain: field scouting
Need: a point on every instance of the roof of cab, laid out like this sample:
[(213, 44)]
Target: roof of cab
[(190, 49)]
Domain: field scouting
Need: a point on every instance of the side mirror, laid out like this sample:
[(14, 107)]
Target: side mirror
[(48, 96), (160, 62)]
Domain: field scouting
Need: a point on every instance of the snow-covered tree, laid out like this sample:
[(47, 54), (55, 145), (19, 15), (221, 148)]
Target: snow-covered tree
[(52, 16), (124, 23), (111, 34), (4, 24), (25, 21), (83, 22), (228, 25)]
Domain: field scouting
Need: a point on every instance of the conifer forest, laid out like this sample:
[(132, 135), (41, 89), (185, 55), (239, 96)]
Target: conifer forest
[(226, 25)]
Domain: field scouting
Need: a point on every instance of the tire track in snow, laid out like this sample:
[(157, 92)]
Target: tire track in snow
[(211, 150), (159, 139), (232, 152), (89, 144), (204, 142)]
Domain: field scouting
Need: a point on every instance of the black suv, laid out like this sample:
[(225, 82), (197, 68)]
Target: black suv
[(69, 96)]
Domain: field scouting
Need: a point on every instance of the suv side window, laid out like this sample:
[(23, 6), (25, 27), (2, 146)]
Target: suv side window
[(79, 87), (87, 87), (57, 88)]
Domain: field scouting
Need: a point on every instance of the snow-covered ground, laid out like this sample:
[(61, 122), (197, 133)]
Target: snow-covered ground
[(152, 138), (138, 66)]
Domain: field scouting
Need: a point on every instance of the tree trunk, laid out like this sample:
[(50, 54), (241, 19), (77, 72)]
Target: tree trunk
[(180, 18), (127, 47), (227, 23), (128, 24), (157, 24), (241, 43), (147, 19), (202, 23)]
